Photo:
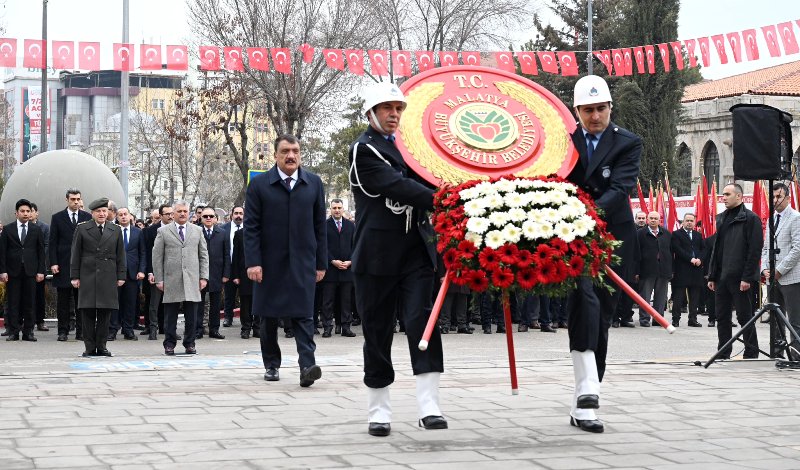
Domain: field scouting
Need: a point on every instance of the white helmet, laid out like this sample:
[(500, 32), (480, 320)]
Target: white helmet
[(381, 92), (591, 89)]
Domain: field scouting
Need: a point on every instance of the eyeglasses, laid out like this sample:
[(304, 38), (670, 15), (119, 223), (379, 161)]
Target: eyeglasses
[(207, 216)]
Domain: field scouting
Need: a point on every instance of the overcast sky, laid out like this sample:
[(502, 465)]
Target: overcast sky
[(165, 22)]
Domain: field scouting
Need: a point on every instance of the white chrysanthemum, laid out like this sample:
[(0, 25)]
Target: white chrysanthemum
[(517, 214), (583, 225), (512, 233), (575, 203), (548, 213), (474, 208), (474, 238), (498, 219), (484, 188), (535, 215), (545, 229), (568, 212), (494, 239), (493, 201), (524, 184), (514, 199), (557, 196), (505, 186), (477, 224), (538, 198), (533, 230), (564, 231), (469, 193)]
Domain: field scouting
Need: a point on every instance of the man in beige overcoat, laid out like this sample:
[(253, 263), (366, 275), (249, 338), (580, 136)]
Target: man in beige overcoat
[(180, 268)]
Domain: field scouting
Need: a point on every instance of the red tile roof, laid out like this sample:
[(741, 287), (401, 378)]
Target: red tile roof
[(778, 80)]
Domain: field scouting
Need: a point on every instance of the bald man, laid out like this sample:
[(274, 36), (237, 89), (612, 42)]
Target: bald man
[(655, 264)]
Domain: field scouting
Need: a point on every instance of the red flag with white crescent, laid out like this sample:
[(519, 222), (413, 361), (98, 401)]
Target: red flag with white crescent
[(605, 58), (177, 58), (448, 59), (89, 56), (638, 56), (663, 51), (355, 61), (281, 60), (568, 63), (233, 59), (378, 62), (705, 53), (548, 61), (527, 62), (425, 60), (123, 57), (650, 57), (736, 45), (33, 54), (401, 63), (150, 57), (788, 38), (471, 58), (334, 58), (691, 44), (627, 57), (719, 44), (677, 52), (750, 41), (209, 58), (257, 58), (64, 55), (505, 61), (308, 53), (771, 37), (619, 62), (8, 52)]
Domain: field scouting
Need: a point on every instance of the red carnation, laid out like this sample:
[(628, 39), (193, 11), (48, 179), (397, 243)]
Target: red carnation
[(560, 271), (576, 265), (546, 273), (508, 253), (559, 244), (526, 278), (451, 256), (524, 259), (543, 253), (489, 259), (503, 278), (579, 248), (478, 282), (467, 249)]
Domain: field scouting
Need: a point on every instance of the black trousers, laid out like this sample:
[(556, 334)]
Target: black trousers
[(230, 290), (95, 322), (303, 338), (214, 302), (590, 310), (330, 292), (20, 291), (377, 298), (454, 305), (190, 310), (126, 315), (39, 305), (727, 296), (679, 294), (246, 317), (63, 310)]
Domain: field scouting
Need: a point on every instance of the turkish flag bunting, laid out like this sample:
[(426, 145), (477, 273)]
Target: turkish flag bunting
[(787, 36), (257, 58), (378, 62), (627, 57), (771, 36), (282, 59), (650, 58), (547, 59), (691, 44), (89, 56), (663, 51), (719, 43), (334, 58), (605, 58), (705, 54), (123, 57), (8, 52), (150, 57), (233, 59), (308, 53), (568, 62), (34, 54), (750, 41), (448, 59), (638, 55), (401, 63), (355, 61), (527, 62), (209, 58), (677, 52), (505, 61), (619, 62), (425, 60), (736, 45), (471, 58), (64, 55), (177, 58)]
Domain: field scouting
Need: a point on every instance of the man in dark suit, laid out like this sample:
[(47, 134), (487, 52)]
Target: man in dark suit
[(62, 228), (136, 262), (286, 254), (155, 306), (338, 280), (39, 306), (655, 264), (22, 265), (687, 266), (393, 261), (230, 289), (97, 270), (219, 270), (607, 170)]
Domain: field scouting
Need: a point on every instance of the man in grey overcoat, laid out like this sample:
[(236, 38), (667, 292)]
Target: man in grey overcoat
[(180, 269), (97, 269)]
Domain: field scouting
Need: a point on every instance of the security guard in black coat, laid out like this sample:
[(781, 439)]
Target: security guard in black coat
[(607, 170)]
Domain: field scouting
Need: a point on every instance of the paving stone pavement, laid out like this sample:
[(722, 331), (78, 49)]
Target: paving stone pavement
[(140, 410)]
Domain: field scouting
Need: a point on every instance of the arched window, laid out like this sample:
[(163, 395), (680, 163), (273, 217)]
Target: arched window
[(711, 164), (683, 171)]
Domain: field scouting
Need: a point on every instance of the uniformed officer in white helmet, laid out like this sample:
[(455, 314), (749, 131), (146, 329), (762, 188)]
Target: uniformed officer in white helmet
[(607, 170), (394, 258)]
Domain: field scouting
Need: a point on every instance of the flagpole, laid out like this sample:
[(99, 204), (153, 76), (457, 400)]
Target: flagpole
[(124, 161), (589, 61), (45, 96)]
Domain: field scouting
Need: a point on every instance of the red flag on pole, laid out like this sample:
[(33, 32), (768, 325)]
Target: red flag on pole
[(281, 60), (660, 204), (672, 209), (177, 58), (34, 54), (705, 53), (63, 55), (568, 62), (750, 41), (257, 58), (425, 60), (788, 38), (690, 46), (471, 58), (771, 37), (712, 209), (677, 51), (89, 56), (448, 59), (233, 59), (150, 57), (209, 58), (652, 205), (355, 61), (123, 57), (642, 202), (719, 43), (700, 209), (334, 58), (736, 45), (650, 56), (638, 55), (548, 61), (618, 61), (505, 61), (8, 52), (759, 204), (627, 57), (378, 62), (401, 63), (663, 51), (527, 62), (308, 53), (605, 58)]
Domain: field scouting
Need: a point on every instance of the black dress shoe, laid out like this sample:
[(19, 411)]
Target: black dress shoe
[(111, 337), (309, 375), (245, 335), (444, 330), (676, 323), (712, 324), (644, 324), (326, 333), (562, 324), (104, 352), (191, 350), (29, 337), (338, 329), (144, 332), (131, 337), (272, 375), (4, 333), (139, 327), (356, 322), (588, 402), (695, 324), (42, 327), (87, 354), (522, 328), (169, 351), (464, 331), (14, 337), (588, 425), (79, 337), (615, 324), (546, 328), (627, 324), (348, 333), (256, 334), (433, 422), (501, 329), (289, 334), (153, 335), (178, 337), (487, 330), (215, 334), (379, 429), (227, 323), (199, 335), (535, 325), (61, 337)]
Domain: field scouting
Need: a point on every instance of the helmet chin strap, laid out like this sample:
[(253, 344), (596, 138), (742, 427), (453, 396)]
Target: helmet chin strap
[(375, 123)]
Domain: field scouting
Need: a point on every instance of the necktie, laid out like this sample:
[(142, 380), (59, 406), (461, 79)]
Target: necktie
[(74, 219), (125, 237), (339, 225), (23, 234), (208, 234), (238, 227), (777, 221), (180, 232), (100, 227), (288, 182), (590, 138)]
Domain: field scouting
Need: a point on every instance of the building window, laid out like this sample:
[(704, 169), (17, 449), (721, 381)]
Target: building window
[(158, 104), (165, 185), (231, 127), (711, 165), (683, 171)]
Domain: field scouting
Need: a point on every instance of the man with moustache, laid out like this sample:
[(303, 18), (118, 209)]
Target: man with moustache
[(155, 306), (231, 289), (687, 247), (136, 261)]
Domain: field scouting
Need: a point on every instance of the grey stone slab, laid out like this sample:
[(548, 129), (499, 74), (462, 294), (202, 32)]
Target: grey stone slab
[(67, 462), (570, 463), (53, 451), (619, 460)]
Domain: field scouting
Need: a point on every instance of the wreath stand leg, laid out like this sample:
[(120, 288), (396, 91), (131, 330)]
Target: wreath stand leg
[(512, 362)]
